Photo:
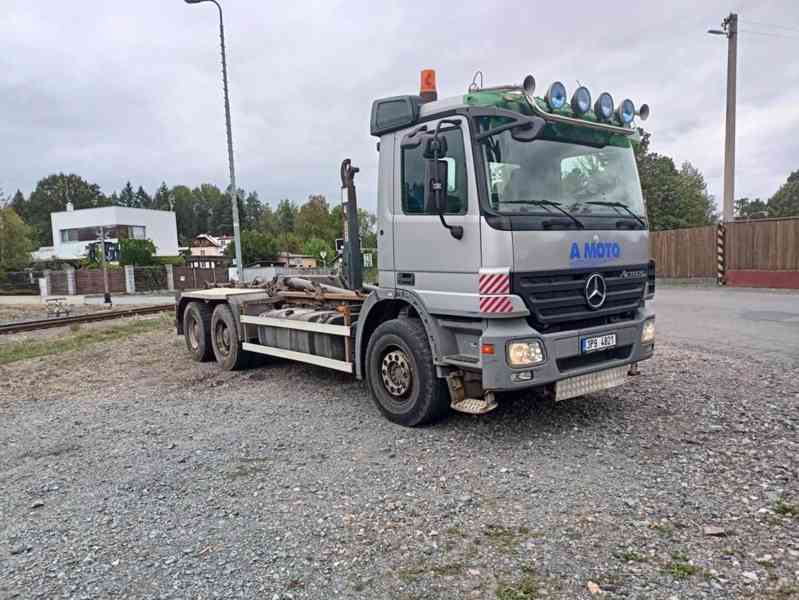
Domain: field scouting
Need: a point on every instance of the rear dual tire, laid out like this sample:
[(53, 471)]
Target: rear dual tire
[(225, 341), (401, 374)]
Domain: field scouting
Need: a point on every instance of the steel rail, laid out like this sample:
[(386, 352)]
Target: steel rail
[(23, 326)]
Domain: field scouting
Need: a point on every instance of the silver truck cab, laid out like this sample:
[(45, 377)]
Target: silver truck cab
[(548, 279)]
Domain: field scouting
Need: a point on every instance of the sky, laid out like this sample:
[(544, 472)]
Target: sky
[(118, 91)]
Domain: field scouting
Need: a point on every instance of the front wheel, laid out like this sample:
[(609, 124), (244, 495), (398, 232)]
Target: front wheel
[(225, 340), (401, 374)]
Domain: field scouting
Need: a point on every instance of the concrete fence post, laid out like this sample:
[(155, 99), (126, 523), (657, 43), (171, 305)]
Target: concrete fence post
[(170, 278), (130, 279), (72, 288), (44, 286)]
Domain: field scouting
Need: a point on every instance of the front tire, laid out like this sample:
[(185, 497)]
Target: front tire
[(401, 374), (225, 340), (197, 331)]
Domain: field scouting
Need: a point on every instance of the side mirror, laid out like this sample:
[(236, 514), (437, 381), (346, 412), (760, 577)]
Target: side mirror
[(435, 192)]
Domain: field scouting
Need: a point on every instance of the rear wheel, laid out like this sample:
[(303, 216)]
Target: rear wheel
[(401, 374), (197, 331), (225, 340)]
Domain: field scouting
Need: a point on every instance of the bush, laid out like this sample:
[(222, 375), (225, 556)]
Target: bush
[(136, 252)]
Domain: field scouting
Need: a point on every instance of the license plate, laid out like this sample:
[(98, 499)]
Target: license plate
[(597, 342)]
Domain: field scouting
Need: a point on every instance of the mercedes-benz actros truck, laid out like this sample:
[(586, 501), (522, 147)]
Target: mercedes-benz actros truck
[(513, 253)]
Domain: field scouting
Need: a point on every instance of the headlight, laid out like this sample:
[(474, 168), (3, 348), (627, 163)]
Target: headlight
[(626, 111), (581, 100), (526, 353), (604, 106), (556, 95), (648, 332)]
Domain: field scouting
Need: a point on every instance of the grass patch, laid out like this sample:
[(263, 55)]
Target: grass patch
[(527, 588), (781, 507), (681, 570), (77, 340), (504, 538), (631, 555)]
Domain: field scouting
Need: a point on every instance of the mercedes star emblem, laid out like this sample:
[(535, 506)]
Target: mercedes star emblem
[(596, 291)]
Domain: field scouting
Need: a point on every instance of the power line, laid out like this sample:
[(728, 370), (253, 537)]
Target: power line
[(773, 26)]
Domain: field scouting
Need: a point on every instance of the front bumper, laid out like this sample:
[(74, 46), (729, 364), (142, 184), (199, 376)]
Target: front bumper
[(562, 356)]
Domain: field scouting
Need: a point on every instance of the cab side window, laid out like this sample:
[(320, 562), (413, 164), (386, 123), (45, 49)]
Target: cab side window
[(413, 181)]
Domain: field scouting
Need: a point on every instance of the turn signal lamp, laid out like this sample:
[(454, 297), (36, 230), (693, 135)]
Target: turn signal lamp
[(556, 96), (581, 100), (427, 87)]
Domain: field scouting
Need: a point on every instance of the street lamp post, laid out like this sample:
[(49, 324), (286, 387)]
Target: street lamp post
[(234, 189), (729, 29)]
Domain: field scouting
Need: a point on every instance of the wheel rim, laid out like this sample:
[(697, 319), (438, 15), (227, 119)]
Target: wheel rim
[(396, 373), (194, 332), (222, 338)]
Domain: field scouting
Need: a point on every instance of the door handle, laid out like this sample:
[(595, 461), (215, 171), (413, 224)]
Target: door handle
[(406, 279)]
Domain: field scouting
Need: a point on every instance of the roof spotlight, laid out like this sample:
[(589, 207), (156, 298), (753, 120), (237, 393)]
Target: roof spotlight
[(643, 112), (528, 85), (604, 106), (556, 96), (581, 100), (626, 111)]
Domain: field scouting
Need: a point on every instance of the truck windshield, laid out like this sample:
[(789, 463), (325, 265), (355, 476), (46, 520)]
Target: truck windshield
[(585, 171)]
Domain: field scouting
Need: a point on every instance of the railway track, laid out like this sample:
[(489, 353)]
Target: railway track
[(24, 326)]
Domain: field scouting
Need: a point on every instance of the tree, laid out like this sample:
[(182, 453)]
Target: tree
[(143, 199), (19, 204), (313, 219), (138, 253), (751, 209), (252, 211), (163, 198), (185, 215), (286, 215), (674, 198), (315, 246), (127, 197), (16, 241), (52, 194), (255, 246), (785, 202)]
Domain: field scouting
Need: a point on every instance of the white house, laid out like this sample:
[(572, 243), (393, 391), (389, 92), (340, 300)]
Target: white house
[(74, 230)]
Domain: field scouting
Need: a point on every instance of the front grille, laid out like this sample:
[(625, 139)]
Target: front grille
[(556, 299), (593, 358)]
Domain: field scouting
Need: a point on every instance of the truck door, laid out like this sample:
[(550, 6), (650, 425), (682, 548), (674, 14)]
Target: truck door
[(442, 270)]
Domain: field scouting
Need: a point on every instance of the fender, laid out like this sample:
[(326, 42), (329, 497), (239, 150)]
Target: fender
[(384, 304)]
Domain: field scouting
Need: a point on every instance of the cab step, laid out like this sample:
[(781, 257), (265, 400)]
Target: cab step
[(475, 406)]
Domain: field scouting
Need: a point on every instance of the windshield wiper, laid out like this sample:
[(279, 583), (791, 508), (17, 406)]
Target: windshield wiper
[(618, 205), (546, 203)]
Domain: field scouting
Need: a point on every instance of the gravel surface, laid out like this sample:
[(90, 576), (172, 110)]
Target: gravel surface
[(128, 471)]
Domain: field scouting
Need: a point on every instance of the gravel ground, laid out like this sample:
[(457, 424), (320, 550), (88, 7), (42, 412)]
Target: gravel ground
[(128, 471)]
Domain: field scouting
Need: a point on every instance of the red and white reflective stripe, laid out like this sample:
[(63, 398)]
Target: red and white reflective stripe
[(496, 304), (494, 287), (494, 283)]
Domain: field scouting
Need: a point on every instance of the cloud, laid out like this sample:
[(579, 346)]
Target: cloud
[(131, 90)]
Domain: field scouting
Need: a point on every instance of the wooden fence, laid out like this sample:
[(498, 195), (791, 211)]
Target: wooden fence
[(90, 281), (684, 253), (763, 246)]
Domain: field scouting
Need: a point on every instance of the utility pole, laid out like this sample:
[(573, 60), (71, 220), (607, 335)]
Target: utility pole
[(234, 190), (729, 28), (107, 295)]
